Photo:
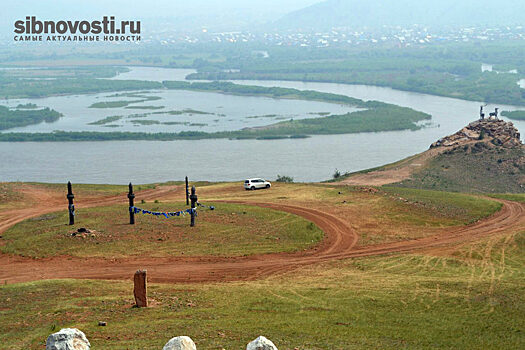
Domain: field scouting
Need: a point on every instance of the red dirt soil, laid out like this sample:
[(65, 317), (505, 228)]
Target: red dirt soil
[(338, 243)]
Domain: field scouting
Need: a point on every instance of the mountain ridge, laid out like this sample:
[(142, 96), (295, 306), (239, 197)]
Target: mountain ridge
[(375, 13)]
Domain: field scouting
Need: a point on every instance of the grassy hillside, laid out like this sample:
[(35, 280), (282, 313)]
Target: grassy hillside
[(478, 167)]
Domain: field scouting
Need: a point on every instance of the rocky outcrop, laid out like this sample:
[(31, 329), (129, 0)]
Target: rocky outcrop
[(68, 339), (180, 343), (499, 132), (261, 343)]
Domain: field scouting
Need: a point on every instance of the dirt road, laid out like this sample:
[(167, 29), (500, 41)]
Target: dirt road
[(339, 243)]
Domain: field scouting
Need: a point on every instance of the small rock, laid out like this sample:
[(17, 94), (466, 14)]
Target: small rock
[(102, 323), (261, 343), (83, 230), (68, 339), (180, 343)]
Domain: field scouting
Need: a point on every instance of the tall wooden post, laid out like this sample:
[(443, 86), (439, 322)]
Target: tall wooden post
[(187, 192), (140, 290), (71, 206), (131, 197), (193, 198)]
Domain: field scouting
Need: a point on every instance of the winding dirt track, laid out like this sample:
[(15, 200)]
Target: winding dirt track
[(339, 243)]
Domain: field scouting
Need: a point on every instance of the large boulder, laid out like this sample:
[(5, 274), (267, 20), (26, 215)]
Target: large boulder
[(261, 343), (501, 132), (68, 339), (180, 343)]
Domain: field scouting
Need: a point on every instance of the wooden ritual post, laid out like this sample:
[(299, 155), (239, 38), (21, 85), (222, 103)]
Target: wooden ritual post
[(187, 192), (131, 197), (71, 206), (193, 198), (140, 290)]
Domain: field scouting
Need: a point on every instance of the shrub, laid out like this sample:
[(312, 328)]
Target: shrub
[(284, 178)]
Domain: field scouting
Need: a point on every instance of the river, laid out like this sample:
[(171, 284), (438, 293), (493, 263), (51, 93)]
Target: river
[(312, 159)]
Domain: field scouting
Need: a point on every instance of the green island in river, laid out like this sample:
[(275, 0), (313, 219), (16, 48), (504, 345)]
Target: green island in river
[(375, 116)]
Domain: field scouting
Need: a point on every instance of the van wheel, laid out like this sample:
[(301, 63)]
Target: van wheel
[(267, 186), (252, 188)]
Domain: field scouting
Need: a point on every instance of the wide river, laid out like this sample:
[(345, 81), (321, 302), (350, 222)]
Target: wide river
[(311, 159)]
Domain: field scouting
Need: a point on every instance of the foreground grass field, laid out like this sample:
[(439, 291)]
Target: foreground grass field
[(454, 297), (470, 297), (229, 230)]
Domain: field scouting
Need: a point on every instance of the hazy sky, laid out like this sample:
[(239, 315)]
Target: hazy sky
[(248, 14), (151, 8), (182, 14)]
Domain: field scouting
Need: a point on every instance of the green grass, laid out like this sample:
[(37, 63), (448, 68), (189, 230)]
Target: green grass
[(517, 197), (145, 121), (464, 209), (110, 104), (144, 107), (107, 120), (470, 300), (226, 231), (516, 115), (118, 104), (263, 116), (186, 111), (14, 118), (479, 167)]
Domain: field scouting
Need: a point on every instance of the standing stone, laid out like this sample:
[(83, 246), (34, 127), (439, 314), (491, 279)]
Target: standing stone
[(68, 339), (140, 291), (180, 343), (261, 343)]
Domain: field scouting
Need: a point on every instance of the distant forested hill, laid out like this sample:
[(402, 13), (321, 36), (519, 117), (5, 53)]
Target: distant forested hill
[(374, 13)]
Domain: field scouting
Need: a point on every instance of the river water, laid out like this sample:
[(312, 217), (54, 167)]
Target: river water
[(190, 111), (311, 159)]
